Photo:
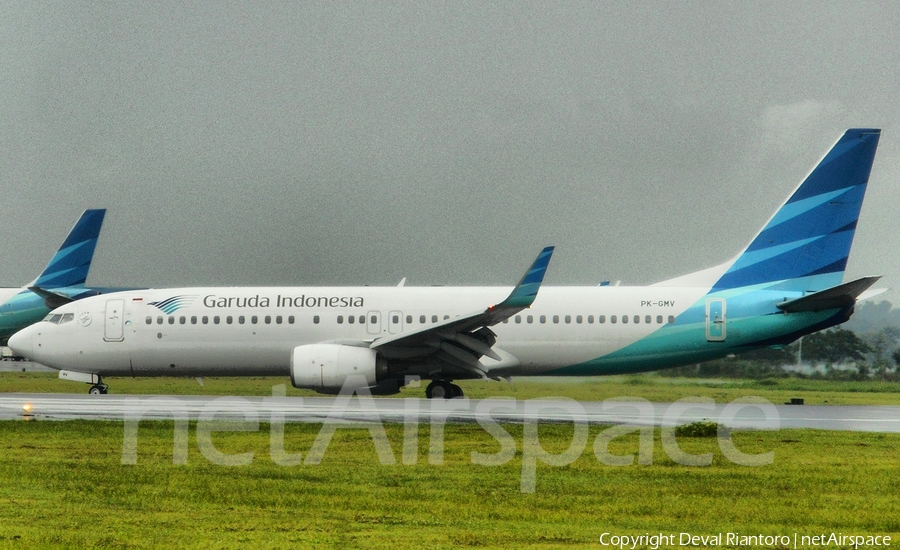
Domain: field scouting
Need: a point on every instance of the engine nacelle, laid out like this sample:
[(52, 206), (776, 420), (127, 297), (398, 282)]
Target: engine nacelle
[(325, 367)]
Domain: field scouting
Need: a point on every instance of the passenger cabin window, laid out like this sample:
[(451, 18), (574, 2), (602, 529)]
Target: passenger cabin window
[(216, 320), (159, 320), (624, 319), (278, 320), (205, 320), (193, 319), (612, 319), (568, 319), (422, 319), (340, 319), (530, 319), (149, 320), (648, 319), (601, 319), (434, 318), (268, 319), (590, 319), (409, 319), (578, 319), (290, 319), (671, 319), (241, 320), (659, 319), (254, 319), (543, 319), (171, 320), (556, 319), (182, 320), (315, 319), (229, 319), (518, 319)]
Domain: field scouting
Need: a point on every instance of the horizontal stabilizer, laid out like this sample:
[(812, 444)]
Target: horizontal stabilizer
[(835, 297), (871, 293)]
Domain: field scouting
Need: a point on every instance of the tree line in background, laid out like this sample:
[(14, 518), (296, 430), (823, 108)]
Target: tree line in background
[(865, 348)]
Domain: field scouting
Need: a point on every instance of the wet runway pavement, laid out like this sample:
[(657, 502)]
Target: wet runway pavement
[(738, 414)]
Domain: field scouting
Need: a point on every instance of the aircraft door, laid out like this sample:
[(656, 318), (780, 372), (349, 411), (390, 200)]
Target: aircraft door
[(395, 322), (715, 320), (373, 322), (114, 319)]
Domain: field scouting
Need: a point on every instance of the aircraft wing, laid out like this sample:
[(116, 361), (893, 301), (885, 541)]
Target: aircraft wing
[(834, 297), (53, 300), (461, 342)]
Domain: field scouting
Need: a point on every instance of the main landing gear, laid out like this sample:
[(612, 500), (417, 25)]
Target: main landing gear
[(443, 389), (99, 388)]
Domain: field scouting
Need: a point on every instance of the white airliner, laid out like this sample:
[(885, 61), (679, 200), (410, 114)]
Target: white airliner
[(785, 284)]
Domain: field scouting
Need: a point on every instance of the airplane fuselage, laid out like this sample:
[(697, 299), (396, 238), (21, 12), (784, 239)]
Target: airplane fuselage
[(234, 331), (786, 283)]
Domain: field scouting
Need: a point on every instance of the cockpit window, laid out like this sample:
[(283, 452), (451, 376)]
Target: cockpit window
[(59, 318)]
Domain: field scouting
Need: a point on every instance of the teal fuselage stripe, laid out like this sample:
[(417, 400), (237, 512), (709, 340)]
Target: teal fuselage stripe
[(685, 344)]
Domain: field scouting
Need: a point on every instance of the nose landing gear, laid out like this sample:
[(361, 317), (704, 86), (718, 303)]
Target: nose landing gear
[(99, 388)]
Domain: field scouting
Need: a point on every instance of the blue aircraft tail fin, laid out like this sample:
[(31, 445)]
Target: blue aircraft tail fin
[(70, 265), (806, 244)]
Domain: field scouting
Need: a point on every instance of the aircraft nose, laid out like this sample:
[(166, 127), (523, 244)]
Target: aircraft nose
[(22, 342)]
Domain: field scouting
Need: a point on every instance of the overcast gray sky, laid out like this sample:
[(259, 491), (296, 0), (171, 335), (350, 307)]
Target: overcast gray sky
[(333, 143)]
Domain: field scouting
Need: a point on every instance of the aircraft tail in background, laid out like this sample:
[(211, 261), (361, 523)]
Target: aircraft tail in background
[(71, 263), (61, 281)]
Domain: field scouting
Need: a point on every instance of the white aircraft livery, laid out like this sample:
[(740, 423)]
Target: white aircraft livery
[(786, 283)]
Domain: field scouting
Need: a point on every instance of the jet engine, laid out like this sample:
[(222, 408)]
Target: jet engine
[(326, 367)]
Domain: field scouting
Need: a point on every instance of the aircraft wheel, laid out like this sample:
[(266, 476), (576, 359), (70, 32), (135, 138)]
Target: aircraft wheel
[(96, 390), (457, 391), (439, 389)]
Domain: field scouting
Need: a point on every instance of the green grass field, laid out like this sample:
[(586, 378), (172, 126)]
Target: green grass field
[(649, 386), (64, 484)]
